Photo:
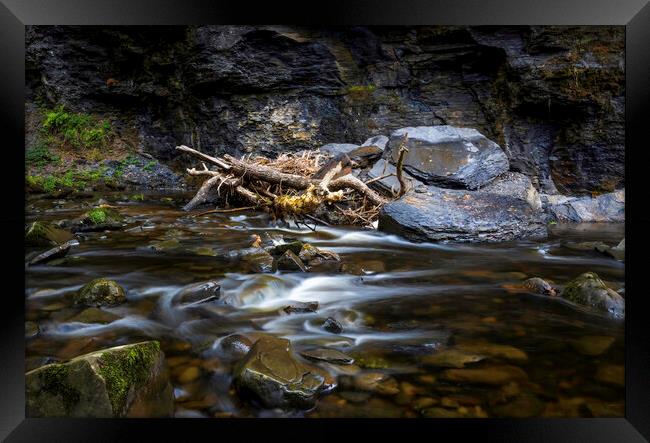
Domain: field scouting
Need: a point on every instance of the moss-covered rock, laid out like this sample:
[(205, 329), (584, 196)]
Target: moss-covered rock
[(124, 381), (45, 234), (100, 292), (99, 219), (590, 291), (271, 375)]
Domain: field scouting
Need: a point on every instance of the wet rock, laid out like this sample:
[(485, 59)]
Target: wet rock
[(99, 219), (100, 292), (31, 329), (540, 286), (94, 315), (491, 375), (318, 259), (335, 149), (45, 234), (124, 381), (54, 253), (592, 345), (355, 396), (289, 261), (328, 355), (235, 345), (189, 375), (378, 140), (516, 185), (301, 307), (602, 208), (493, 350), (600, 408), (376, 382), (258, 260), (332, 325), (391, 185), (454, 215), (274, 377), (197, 293), (452, 358), (611, 374), (293, 246), (441, 413), (617, 252), (590, 291), (449, 156)]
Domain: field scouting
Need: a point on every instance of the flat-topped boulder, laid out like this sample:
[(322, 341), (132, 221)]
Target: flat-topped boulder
[(124, 381), (448, 156), (438, 214)]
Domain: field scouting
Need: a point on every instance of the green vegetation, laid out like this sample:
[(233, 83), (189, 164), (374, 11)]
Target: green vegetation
[(61, 128), (149, 166), (97, 216), (75, 180), (125, 368), (40, 156), (124, 163)]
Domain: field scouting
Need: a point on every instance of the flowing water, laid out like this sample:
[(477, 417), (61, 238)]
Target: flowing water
[(398, 302)]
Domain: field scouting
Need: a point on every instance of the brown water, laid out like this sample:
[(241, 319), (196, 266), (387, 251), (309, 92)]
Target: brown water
[(398, 302)]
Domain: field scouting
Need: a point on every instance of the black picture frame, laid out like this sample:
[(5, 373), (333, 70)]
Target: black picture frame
[(633, 14)]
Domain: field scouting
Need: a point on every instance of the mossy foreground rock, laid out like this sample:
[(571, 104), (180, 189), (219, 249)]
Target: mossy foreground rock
[(100, 292), (125, 381), (100, 219), (590, 291), (45, 234), (273, 376)]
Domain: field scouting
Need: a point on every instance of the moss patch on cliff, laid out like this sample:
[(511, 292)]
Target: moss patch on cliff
[(124, 368), (63, 128)]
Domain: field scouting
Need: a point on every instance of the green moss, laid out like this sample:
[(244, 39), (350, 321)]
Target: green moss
[(54, 382), (81, 131), (40, 156), (124, 368), (149, 166), (137, 197), (97, 216), (360, 92)]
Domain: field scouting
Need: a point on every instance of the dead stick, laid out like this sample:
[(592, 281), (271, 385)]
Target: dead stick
[(400, 163), (219, 211), (214, 161)]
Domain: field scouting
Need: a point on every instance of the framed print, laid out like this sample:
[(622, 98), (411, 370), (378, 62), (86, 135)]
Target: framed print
[(372, 217)]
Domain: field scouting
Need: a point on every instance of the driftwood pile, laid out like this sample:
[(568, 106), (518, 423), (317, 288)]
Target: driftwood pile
[(291, 187)]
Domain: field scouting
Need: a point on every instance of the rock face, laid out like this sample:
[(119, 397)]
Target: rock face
[(275, 378), (125, 381), (551, 96), (448, 156), (100, 292), (603, 208), (455, 215), (590, 291)]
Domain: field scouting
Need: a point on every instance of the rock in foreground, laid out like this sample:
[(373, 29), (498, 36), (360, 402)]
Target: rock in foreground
[(125, 381), (603, 208), (273, 376), (449, 156), (447, 214), (590, 291)]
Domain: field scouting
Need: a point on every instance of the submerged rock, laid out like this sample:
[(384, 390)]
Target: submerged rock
[(449, 156), (199, 293), (301, 307), (592, 345), (45, 234), (492, 375), (590, 291), (454, 215), (273, 376), (124, 381), (328, 355), (333, 326), (94, 315), (100, 292), (376, 382), (452, 358), (540, 286), (493, 350)]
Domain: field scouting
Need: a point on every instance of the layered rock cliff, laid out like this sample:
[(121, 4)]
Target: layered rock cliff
[(551, 97)]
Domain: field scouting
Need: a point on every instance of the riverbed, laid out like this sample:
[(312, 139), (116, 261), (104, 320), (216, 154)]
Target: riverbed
[(398, 303)]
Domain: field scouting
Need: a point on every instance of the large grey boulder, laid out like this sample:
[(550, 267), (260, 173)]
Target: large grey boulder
[(516, 185), (272, 375), (439, 214), (448, 156), (390, 184), (335, 149), (378, 140), (124, 381), (602, 208)]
